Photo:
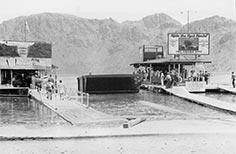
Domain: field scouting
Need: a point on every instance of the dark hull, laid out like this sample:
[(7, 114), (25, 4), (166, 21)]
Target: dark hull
[(14, 92), (109, 83)]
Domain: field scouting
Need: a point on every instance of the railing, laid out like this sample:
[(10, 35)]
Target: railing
[(79, 96), (70, 93), (82, 94)]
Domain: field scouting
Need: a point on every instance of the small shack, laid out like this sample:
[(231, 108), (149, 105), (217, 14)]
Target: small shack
[(19, 60)]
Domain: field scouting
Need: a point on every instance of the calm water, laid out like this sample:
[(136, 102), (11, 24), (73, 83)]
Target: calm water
[(129, 104), (21, 110), (224, 96), (24, 110)]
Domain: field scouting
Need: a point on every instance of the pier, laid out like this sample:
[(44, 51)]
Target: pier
[(229, 89), (74, 112), (202, 100)]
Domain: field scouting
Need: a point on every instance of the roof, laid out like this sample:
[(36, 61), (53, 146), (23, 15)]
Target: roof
[(22, 67), (108, 75), (172, 61)]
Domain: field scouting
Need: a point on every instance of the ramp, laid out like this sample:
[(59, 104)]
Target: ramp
[(203, 100), (75, 113), (228, 88)]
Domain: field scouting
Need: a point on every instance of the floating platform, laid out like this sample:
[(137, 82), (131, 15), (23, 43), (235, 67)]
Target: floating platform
[(74, 112), (228, 88), (14, 91), (203, 100), (108, 83)]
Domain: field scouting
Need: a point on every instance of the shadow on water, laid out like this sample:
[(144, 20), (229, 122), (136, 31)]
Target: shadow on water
[(21, 110)]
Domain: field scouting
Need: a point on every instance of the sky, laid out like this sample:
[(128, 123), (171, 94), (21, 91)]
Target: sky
[(121, 10)]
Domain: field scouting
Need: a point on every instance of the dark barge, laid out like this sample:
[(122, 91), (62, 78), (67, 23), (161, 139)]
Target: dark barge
[(108, 83)]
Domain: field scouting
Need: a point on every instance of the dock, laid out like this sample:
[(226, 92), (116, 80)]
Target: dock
[(228, 88), (202, 100), (74, 112)]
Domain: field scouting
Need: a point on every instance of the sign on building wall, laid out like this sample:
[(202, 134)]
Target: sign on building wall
[(151, 52), (25, 54), (188, 43)]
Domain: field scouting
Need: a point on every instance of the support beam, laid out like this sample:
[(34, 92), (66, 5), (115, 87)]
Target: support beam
[(11, 77), (178, 68)]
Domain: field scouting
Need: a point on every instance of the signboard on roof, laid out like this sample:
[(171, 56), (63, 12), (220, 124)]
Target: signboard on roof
[(18, 54), (188, 43), (151, 52)]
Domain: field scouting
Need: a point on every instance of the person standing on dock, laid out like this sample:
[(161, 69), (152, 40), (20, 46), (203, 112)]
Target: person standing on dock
[(61, 89), (206, 77), (162, 78), (168, 80), (233, 77)]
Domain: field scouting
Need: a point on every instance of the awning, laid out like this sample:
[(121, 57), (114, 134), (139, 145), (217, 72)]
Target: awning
[(172, 61), (28, 67)]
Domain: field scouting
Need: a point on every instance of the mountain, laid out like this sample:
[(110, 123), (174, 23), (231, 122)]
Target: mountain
[(84, 45), (222, 39)]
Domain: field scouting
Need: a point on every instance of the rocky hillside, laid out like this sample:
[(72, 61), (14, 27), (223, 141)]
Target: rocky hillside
[(106, 46)]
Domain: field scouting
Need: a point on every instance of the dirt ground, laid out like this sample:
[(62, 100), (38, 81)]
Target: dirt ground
[(159, 144), (155, 137)]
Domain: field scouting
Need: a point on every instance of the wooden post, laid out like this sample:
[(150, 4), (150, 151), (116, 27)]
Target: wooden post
[(0, 77), (168, 67), (11, 77), (178, 68), (150, 78)]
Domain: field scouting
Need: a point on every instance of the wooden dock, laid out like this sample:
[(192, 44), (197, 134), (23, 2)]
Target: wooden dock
[(228, 88), (74, 112), (203, 100)]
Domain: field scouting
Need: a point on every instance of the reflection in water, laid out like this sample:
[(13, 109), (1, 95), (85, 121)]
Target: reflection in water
[(129, 104), (24, 110)]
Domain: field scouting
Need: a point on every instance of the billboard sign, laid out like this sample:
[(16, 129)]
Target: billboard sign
[(188, 43), (19, 54)]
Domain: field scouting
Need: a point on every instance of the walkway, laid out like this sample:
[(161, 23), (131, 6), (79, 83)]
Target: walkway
[(228, 88), (74, 112), (203, 100)]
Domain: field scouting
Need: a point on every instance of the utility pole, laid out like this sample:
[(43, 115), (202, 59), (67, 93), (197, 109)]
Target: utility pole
[(188, 20)]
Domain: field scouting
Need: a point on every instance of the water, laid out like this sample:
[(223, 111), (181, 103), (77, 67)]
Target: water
[(21, 110), (129, 105), (223, 96)]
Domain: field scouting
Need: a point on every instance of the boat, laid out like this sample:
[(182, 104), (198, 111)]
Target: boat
[(108, 83), (6, 91)]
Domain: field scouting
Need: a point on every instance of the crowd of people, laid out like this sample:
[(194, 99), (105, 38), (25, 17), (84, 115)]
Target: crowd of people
[(199, 76), (169, 78), (47, 84)]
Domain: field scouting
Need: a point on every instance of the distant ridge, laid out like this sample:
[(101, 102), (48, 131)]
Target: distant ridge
[(83, 45)]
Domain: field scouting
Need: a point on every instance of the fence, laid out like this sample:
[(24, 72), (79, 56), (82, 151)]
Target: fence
[(71, 93)]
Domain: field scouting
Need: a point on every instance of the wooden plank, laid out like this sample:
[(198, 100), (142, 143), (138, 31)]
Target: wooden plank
[(228, 88), (74, 113), (203, 100)]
